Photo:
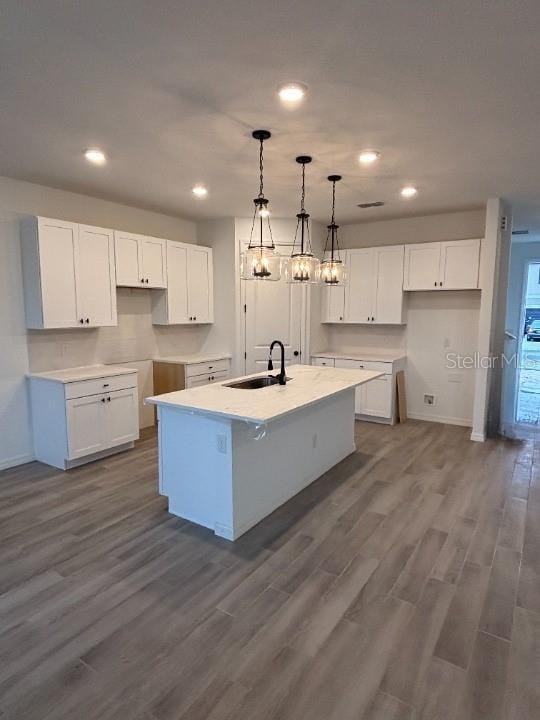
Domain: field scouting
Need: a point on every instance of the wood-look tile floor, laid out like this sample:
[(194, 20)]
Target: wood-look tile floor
[(405, 583)]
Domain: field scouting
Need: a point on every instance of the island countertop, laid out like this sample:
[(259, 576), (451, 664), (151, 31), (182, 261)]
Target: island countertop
[(307, 385)]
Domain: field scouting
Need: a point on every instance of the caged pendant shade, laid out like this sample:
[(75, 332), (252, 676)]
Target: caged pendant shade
[(302, 266), (260, 260), (332, 266)]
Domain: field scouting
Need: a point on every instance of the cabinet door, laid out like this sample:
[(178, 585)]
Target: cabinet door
[(377, 397), (57, 240), (422, 262), (154, 268), (121, 417), (460, 260), (177, 283), (85, 426), (333, 303), (361, 284), (128, 271), (389, 281), (200, 284), (96, 278)]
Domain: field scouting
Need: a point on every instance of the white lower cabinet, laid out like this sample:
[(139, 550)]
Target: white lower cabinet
[(376, 399), (79, 421)]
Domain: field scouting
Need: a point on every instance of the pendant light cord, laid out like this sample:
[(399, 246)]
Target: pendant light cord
[(302, 207), (261, 169), (333, 201)]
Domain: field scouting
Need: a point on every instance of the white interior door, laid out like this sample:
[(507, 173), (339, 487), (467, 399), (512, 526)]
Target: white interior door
[(85, 422), (460, 264), (57, 241), (128, 271), (121, 417), (153, 254), (96, 280), (422, 266), (361, 282), (177, 280), (389, 281), (199, 284), (274, 310)]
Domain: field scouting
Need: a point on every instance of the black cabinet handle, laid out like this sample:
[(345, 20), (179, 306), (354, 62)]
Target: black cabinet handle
[(296, 353), (106, 385), (142, 280), (87, 320), (108, 399), (440, 283), (435, 284), (102, 399), (81, 321), (146, 281)]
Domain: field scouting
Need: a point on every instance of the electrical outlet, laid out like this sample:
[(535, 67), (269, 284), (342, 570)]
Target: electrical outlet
[(222, 444), (429, 399)]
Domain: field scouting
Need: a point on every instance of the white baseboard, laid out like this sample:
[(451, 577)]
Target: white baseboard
[(463, 422), (14, 461), (478, 437)]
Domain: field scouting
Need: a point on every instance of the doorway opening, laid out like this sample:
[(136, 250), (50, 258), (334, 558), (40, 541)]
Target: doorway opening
[(528, 367)]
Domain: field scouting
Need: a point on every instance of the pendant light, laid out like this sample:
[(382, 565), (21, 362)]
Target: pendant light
[(302, 266), (260, 261), (332, 266)]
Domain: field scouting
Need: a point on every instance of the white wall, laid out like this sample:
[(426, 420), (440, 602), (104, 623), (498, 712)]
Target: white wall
[(134, 340), (15, 438), (426, 228)]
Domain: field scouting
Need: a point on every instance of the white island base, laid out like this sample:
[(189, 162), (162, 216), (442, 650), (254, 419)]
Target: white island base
[(228, 474)]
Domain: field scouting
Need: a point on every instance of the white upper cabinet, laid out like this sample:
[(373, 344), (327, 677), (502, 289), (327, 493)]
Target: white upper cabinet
[(189, 297), (68, 272), (451, 265), (361, 285), (333, 303), (96, 285), (422, 262), (389, 300), (460, 264), (200, 284), (140, 260), (373, 291)]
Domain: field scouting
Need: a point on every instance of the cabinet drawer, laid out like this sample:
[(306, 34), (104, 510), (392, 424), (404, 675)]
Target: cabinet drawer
[(323, 362), (213, 377), (85, 388), (208, 368), (384, 367)]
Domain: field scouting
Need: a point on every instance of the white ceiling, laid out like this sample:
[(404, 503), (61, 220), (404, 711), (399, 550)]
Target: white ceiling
[(171, 90)]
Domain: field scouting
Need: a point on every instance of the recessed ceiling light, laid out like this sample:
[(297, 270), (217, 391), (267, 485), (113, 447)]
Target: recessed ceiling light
[(95, 156), (199, 191), (408, 191), (291, 93), (368, 157)]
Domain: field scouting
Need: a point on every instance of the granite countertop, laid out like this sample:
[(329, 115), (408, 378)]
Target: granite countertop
[(308, 385), (85, 372), (193, 358), (373, 355)]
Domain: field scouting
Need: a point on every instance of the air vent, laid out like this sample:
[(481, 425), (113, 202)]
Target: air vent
[(377, 203), (520, 232)]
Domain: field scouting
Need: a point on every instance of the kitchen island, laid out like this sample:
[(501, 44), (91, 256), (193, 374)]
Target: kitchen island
[(228, 457)]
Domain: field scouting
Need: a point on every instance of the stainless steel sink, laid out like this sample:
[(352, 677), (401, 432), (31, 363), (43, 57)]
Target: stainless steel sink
[(254, 383)]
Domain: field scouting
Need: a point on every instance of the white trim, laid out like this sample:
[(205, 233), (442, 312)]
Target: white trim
[(16, 460), (478, 437), (464, 422)]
